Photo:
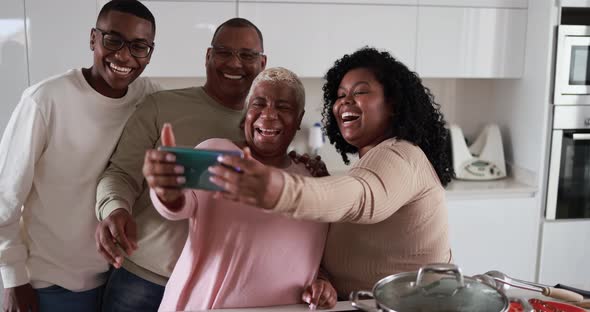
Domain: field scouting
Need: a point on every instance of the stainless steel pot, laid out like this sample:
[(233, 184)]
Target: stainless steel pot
[(435, 287)]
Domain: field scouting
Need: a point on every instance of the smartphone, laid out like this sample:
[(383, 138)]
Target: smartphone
[(196, 163)]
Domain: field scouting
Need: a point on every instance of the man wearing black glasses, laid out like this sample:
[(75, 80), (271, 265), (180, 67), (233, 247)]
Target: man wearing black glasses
[(132, 235), (56, 145)]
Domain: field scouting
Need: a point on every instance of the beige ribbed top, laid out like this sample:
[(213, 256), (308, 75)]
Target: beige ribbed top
[(394, 210)]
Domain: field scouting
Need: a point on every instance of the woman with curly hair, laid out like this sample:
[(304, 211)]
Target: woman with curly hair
[(389, 210)]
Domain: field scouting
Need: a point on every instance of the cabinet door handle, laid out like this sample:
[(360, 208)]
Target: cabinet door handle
[(581, 136)]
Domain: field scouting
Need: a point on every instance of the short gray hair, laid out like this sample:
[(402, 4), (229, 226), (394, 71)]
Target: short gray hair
[(284, 76)]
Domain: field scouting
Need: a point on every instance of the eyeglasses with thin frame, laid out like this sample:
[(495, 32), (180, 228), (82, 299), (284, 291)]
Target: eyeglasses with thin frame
[(244, 55), (114, 42)]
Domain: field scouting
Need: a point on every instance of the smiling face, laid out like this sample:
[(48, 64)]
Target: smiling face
[(113, 71), (361, 110), (230, 78), (272, 119)]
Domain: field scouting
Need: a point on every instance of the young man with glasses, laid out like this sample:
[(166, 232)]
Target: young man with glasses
[(130, 227), (55, 147)]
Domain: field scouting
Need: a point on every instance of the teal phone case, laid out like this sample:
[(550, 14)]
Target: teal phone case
[(196, 163)]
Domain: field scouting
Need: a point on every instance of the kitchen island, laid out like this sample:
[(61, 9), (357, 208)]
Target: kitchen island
[(346, 305), (340, 306)]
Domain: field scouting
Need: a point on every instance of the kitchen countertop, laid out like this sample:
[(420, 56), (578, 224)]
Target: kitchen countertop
[(502, 188), (346, 306), (340, 306)]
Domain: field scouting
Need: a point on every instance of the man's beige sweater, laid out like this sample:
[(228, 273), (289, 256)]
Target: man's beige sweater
[(195, 117)]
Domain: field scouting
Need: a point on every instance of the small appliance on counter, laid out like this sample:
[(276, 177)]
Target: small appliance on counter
[(482, 160), (316, 138)]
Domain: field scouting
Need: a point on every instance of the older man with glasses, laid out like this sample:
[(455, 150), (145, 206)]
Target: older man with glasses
[(141, 244), (55, 147)]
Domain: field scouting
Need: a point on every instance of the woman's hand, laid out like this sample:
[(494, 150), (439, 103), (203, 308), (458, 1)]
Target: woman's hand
[(162, 173), (320, 294), (315, 166), (248, 181)]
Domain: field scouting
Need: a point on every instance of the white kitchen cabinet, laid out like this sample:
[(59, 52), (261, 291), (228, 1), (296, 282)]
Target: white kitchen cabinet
[(396, 2), (470, 42), (495, 234), (477, 3), (308, 37), (13, 57), (184, 30), (565, 250), (58, 34)]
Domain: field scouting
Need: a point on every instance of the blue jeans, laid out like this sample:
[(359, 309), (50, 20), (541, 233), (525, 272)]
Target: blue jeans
[(126, 292), (59, 299)]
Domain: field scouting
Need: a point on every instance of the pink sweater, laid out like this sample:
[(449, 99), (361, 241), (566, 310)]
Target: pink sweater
[(238, 256)]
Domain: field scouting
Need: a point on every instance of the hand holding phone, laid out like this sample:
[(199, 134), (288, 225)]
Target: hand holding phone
[(196, 163)]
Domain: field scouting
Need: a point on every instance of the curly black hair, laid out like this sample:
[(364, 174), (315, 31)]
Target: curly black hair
[(417, 118)]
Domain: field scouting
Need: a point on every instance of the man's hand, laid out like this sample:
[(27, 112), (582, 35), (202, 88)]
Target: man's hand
[(320, 294), (315, 165), (117, 230), (20, 299)]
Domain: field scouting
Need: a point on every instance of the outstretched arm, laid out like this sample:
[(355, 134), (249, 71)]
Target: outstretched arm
[(382, 182)]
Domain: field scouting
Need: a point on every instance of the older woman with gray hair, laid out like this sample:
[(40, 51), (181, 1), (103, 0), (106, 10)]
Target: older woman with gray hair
[(236, 255)]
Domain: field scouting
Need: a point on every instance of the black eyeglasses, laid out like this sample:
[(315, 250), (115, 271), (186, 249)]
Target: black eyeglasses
[(244, 55), (115, 43)]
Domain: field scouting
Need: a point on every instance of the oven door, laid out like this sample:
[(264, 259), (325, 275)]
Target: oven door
[(568, 189), (572, 74)]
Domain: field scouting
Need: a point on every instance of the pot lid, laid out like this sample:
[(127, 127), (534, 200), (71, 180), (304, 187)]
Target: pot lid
[(438, 287)]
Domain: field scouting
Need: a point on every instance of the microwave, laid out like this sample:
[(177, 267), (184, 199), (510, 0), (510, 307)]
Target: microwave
[(572, 66)]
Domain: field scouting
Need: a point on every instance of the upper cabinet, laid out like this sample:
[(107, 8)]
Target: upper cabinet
[(436, 38), (13, 57), (402, 2), (522, 4), (471, 42), (308, 37), (58, 34), (184, 30)]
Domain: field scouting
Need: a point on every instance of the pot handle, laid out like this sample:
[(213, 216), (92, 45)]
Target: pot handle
[(355, 301), (441, 268)]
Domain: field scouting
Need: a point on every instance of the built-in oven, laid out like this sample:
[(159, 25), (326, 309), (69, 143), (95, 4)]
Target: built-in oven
[(572, 70), (568, 189)]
